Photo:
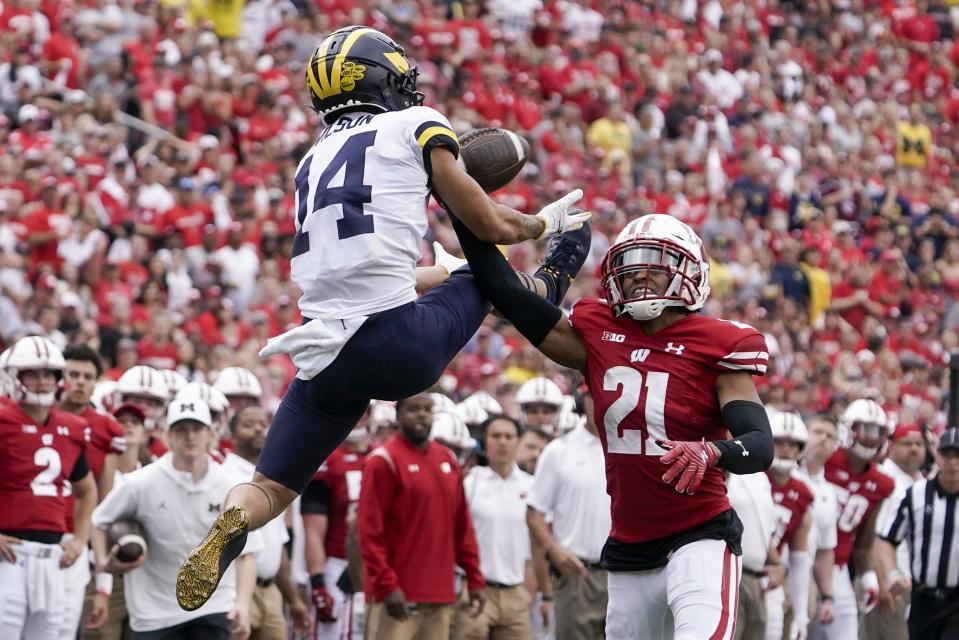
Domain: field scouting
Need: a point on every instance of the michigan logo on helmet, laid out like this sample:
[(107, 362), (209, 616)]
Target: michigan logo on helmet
[(359, 68)]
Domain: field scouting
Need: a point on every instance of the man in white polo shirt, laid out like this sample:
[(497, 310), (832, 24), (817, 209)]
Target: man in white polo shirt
[(570, 487), (273, 585), (176, 499), (497, 499)]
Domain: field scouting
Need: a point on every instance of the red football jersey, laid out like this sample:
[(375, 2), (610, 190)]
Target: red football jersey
[(342, 473), (858, 495), (105, 436), (37, 461), (662, 386), (792, 501)]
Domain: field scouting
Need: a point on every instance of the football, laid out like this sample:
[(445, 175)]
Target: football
[(129, 535), (492, 157)]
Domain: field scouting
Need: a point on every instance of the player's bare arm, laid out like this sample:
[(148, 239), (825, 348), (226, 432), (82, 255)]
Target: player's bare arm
[(862, 547), (85, 492), (492, 222)]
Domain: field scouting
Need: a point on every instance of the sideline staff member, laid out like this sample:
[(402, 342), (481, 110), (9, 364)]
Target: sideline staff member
[(927, 517)]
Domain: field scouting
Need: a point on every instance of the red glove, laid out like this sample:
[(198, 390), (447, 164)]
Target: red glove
[(689, 459), (323, 603)]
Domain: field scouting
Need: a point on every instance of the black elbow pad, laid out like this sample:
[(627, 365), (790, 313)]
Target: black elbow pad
[(751, 448)]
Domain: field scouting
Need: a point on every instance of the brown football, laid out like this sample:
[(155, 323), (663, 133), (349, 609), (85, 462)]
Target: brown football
[(129, 535), (492, 157)]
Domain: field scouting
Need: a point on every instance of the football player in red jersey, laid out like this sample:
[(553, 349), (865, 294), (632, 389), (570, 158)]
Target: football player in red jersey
[(105, 440), (43, 461), (861, 487), (329, 498), (793, 499), (668, 385)]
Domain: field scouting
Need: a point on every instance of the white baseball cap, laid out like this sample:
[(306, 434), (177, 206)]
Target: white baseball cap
[(188, 409), (28, 112)]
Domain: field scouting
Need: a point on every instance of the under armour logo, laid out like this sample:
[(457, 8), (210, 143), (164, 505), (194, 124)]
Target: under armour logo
[(745, 453), (161, 506), (413, 468), (187, 407), (214, 508), (678, 350)]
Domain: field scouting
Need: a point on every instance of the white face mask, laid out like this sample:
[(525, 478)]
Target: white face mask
[(783, 465), (863, 452), (45, 400)]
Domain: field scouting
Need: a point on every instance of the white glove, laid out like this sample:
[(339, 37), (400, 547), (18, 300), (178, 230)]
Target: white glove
[(557, 218), (869, 583), (443, 259)]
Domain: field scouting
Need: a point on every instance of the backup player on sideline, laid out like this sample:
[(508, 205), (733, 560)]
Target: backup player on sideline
[(361, 194), (666, 385), (42, 455), (861, 487)]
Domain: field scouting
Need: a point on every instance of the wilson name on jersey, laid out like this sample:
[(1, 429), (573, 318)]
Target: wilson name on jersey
[(361, 194), (648, 388)]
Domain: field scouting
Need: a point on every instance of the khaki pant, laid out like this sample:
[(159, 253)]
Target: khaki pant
[(266, 614), (505, 616), (580, 606), (751, 615), (430, 622), (879, 625), (117, 625)]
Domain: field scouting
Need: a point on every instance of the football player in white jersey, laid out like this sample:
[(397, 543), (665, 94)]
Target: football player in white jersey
[(361, 194)]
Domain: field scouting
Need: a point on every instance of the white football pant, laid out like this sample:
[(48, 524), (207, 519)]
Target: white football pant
[(775, 613), (31, 592), (693, 597), (846, 622), (75, 579)]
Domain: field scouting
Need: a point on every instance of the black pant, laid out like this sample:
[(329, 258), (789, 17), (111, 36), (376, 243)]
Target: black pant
[(212, 627), (934, 614)]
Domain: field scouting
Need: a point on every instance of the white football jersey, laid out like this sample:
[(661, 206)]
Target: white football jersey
[(361, 195)]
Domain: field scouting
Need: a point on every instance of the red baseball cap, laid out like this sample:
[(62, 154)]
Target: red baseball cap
[(905, 430), (130, 408)]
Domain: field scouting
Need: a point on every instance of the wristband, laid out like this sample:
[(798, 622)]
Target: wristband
[(826, 598), (317, 580), (104, 583), (892, 575), (547, 598)]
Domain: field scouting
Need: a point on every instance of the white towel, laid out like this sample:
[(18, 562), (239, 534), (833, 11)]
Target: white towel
[(44, 581), (314, 345)]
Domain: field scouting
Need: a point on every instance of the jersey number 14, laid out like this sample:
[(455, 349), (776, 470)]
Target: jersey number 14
[(351, 196)]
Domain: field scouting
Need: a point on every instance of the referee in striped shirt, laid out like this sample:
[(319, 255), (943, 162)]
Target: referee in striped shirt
[(928, 518)]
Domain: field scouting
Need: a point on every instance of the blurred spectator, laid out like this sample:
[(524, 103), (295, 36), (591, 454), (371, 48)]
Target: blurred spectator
[(414, 529), (175, 500), (570, 486), (497, 502)]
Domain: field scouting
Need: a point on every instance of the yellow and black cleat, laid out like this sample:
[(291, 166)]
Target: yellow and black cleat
[(205, 566)]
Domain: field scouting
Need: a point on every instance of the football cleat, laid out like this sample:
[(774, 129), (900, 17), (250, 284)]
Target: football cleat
[(567, 253), (205, 566)]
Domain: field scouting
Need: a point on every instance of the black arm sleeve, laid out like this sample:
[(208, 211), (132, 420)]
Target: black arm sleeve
[(316, 498), (532, 315), (80, 468), (751, 449)]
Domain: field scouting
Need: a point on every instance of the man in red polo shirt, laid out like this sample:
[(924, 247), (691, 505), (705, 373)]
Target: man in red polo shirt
[(415, 528)]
